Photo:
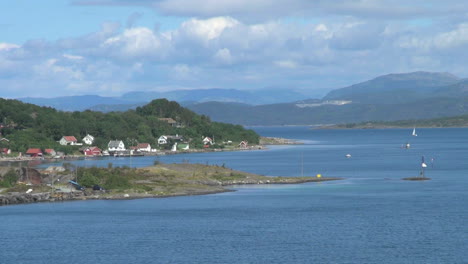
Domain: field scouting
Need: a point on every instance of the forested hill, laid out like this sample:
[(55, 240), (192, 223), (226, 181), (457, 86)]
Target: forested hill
[(27, 125)]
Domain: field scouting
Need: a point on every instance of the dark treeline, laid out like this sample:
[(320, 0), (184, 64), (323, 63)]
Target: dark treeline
[(452, 121), (30, 126)]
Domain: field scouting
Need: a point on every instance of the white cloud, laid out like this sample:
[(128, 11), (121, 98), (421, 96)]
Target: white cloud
[(133, 42), (286, 64), (205, 30), (8, 46), (52, 69), (224, 56), (72, 57), (226, 51)]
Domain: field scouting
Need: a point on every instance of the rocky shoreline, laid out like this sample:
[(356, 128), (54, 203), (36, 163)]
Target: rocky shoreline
[(17, 198), (278, 141)]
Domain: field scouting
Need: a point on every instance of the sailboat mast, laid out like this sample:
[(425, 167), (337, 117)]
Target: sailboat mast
[(302, 164)]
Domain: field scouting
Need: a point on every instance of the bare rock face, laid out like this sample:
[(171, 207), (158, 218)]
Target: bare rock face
[(19, 198)]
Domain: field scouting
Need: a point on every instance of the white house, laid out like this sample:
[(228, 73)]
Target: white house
[(88, 140), (69, 140), (207, 141), (162, 140), (116, 145), (144, 147), (243, 144)]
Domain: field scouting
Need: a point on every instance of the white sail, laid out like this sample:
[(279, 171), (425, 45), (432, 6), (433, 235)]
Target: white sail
[(414, 132), (174, 147)]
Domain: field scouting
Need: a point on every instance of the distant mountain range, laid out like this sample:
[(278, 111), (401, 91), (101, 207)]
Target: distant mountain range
[(184, 97), (396, 88), (416, 95)]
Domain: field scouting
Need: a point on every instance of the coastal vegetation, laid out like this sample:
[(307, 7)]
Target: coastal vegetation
[(30, 126), (454, 121), (160, 180)]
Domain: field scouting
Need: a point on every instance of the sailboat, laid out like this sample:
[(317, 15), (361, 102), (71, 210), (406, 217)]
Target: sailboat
[(423, 166), (414, 133)]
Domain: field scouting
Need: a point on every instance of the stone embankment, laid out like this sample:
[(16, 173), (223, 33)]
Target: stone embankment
[(23, 198)]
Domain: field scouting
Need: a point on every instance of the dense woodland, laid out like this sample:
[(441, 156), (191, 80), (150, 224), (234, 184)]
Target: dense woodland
[(30, 126)]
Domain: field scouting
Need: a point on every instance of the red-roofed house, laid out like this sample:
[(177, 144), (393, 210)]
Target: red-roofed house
[(5, 151), (34, 152), (144, 147), (92, 151), (50, 152), (207, 141), (68, 140), (243, 144)]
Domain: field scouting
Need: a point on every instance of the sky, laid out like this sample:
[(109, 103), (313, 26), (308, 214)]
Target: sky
[(53, 48)]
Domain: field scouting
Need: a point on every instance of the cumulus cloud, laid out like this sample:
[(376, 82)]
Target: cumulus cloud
[(8, 46), (223, 49), (133, 43)]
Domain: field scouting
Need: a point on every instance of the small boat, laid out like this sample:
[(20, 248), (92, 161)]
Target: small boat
[(423, 166), (414, 133), (407, 145), (348, 155)]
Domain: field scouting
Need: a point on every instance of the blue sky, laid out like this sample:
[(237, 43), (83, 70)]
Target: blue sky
[(53, 48)]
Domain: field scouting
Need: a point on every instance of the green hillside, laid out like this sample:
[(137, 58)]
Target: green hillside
[(453, 121), (291, 114), (27, 125), (395, 88)]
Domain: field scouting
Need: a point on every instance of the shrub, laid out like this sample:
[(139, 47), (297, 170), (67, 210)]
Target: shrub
[(9, 179)]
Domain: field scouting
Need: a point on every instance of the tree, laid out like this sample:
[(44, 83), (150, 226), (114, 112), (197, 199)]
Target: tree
[(9, 179)]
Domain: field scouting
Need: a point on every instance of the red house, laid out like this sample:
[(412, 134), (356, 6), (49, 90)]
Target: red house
[(34, 152), (5, 151), (92, 151)]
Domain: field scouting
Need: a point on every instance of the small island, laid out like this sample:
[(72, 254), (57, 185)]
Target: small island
[(416, 179), (26, 185)]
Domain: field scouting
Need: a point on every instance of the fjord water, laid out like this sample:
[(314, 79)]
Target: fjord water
[(371, 216)]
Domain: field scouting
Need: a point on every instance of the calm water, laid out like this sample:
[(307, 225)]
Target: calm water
[(370, 217)]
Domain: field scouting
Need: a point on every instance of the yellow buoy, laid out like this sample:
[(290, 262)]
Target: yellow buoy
[(319, 175)]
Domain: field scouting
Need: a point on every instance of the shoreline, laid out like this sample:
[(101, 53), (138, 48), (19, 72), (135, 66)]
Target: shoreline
[(52, 197), (263, 145), (363, 127)]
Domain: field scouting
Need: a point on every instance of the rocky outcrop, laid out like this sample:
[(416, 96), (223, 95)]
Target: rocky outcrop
[(21, 198)]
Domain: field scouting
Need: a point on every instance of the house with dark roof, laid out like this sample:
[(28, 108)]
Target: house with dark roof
[(116, 145), (88, 139), (164, 139), (170, 121)]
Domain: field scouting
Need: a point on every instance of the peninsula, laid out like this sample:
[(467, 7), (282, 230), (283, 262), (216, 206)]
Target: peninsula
[(160, 180)]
